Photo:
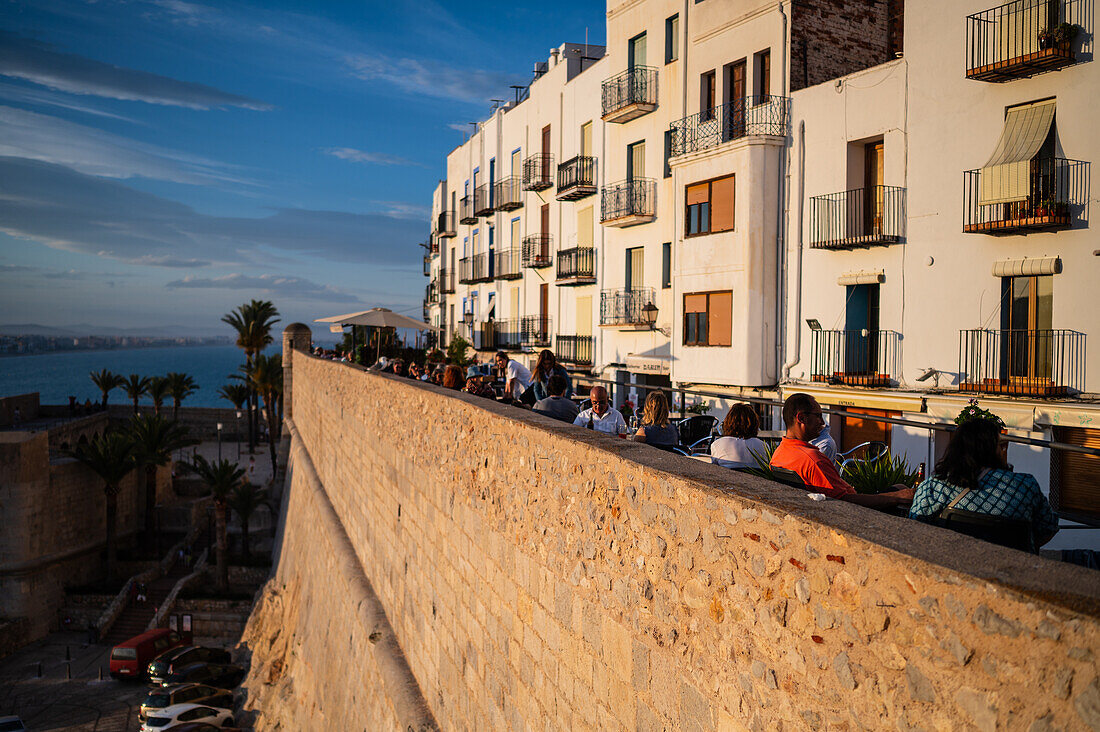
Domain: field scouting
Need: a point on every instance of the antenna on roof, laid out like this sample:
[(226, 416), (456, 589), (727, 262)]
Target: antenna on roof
[(496, 104), (517, 88)]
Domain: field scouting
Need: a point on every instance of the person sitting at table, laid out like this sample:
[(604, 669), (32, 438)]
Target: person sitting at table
[(475, 384), (804, 421), (974, 470), (545, 368), (739, 441), (655, 428), (452, 378), (601, 415), (517, 377), (555, 404)]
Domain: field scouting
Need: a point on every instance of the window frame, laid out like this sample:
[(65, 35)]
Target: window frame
[(672, 38), (688, 234), (705, 342), (666, 265)]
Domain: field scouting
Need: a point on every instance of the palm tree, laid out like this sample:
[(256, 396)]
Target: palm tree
[(155, 439), (253, 322), (222, 477), (111, 457), (244, 500), (237, 394), (180, 386), (158, 391), (267, 381), (105, 381), (135, 387)]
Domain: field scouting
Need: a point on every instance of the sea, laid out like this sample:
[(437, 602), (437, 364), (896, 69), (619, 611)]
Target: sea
[(57, 376)]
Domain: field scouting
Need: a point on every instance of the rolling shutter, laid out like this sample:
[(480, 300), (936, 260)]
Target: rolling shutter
[(721, 204), (584, 227), (698, 193), (720, 315), (1076, 488)]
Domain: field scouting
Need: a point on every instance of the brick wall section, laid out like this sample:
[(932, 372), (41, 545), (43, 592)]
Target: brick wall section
[(831, 38), (539, 576)]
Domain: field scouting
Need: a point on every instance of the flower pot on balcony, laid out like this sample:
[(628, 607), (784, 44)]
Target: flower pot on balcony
[(1046, 40)]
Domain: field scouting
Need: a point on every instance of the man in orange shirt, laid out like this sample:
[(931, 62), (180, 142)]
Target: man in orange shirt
[(803, 419)]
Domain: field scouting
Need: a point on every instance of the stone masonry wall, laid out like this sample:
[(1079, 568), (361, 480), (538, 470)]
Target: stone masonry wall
[(832, 38), (540, 576)]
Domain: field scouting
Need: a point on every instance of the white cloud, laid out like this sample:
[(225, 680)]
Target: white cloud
[(430, 77), (268, 284), (362, 156)]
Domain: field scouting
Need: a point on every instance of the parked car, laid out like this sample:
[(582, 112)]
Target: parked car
[(163, 664), (12, 724), (221, 675), (130, 659), (168, 696), (171, 717)]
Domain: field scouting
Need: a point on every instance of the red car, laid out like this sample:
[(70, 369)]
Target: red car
[(130, 659)]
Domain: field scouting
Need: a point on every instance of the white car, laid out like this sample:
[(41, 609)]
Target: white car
[(177, 714)]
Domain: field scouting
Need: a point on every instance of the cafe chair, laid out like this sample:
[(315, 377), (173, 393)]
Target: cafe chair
[(695, 428), (1013, 533)]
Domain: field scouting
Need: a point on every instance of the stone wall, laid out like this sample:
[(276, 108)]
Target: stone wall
[(27, 404), (535, 575), (833, 38), (201, 422)]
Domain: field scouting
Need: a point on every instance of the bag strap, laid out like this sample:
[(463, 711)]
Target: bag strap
[(955, 500)]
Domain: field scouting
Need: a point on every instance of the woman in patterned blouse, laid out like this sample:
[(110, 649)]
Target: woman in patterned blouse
[(975, 460)]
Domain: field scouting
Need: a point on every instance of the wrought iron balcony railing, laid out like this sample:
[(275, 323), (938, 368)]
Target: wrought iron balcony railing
[(508, 334), (477, 268), (574, 349), (508, 194), (576, 266), (630, 94), (1024, 38), (483, 200), (445, 225), (576, 178), (535, 331), (466, 209), (1045, 363), (507, 265), (626, 306), (855, 357), (427, 260), (538, 172), (1056, 197), (536, 250), (629, 202), (446, 281), (431, 293), (755, 115), (861, 217)]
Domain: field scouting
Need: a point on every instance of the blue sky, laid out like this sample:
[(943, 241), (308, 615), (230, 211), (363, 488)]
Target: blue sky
[(162, 161)]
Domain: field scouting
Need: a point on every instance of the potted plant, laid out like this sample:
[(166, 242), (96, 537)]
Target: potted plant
[(1042, 209), (1046, 38), (1060, 208), (1064, 33)]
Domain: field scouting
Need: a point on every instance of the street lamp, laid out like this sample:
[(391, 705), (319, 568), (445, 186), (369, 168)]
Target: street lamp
[(649, 312), (238, 435), (219, 441)]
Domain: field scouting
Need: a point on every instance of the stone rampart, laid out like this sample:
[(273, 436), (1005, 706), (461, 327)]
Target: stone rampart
[(534, 575)]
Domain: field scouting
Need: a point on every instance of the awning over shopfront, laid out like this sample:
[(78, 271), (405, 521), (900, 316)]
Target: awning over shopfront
[(1027, 267), (1006, 176)]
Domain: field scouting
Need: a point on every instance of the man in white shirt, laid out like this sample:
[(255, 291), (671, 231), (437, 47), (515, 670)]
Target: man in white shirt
[(601, 415), (517, 377)]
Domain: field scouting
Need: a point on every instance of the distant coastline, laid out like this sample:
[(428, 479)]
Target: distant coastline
[(39, 345)]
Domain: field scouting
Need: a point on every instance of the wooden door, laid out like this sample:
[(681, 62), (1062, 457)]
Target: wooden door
[(856, 431), (735, 83), (546, 153), (544, 311), (872, 187), (1029, 301)]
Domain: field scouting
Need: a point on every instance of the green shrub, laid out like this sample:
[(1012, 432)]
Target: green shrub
[(879, 475)]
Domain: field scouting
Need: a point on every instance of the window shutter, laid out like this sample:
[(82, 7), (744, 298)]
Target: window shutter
[(721, 204), (584, 227), (721, 319), (695, 303), (696, 194)]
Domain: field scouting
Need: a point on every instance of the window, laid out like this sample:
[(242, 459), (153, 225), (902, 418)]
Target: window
[(708, 319), (585, 219), (635, 160), (666, 265), (706, 95), (1027, 318), (636, 51), (762, 73), (668, 153), (517, 162), (635, 268), (586, 139), (709, 206), (672, 39)]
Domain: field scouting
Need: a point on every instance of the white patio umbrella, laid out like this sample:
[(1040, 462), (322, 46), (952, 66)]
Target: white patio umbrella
[(378, 318)]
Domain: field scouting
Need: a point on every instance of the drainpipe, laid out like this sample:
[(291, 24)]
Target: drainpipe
[(796, 354), (782, 207)]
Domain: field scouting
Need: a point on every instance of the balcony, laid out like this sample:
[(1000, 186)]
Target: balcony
[(446, 281), (431, 294), (536, 251), (478, 268), (538, 172), (535, 331), (466, 211), (445, 225), (577, 178), (855, 357), (756, 115), (576, 266), (508, 194), (483, 201), (625, 308), (862, 217), (1055, 197), (630, 94), (507, 265), (1023, 38), (629, 203), (574, 349), (1040, 363), (427, 260)]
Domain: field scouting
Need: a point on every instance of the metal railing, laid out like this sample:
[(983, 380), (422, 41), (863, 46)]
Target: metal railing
[(1023, 38), (445, 224), (466, 210), (628, 198), (538, 172), (1056, 196), (483, 200), (633, 86), (577, 177), (536, 250), (753, 115), (575, 349), (855, 357), (535, 331), (578, 262), (1022, 362), (508, 194), (625, 306), (507, 265), (431, 292), (857, 218), (476, 268), (446, 281), (427, 260), (507, 334)]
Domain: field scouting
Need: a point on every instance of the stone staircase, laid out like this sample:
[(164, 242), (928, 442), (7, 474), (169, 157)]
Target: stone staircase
[(135, 618)]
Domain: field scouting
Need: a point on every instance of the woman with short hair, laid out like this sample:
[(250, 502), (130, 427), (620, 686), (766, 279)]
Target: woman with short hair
[(735, 449), (655, 428)]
